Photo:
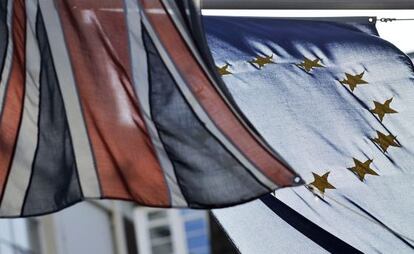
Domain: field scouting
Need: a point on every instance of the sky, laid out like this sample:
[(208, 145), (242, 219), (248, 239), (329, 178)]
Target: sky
[(400, 33)]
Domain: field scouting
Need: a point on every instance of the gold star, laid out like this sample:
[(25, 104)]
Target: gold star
[(262, 61), (361, 169), (382, 109), (384, 141), (223, 70), (353, 80), (308, 64), (321, 182)]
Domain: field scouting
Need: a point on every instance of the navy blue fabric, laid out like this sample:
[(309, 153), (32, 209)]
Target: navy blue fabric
[(287, 33), (172, 115), (54, 183), (326, 240)]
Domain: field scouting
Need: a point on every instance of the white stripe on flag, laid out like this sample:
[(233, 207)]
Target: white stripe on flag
[(141, 85), (4, 77), (84, 157), (21, 167), (253, 223)]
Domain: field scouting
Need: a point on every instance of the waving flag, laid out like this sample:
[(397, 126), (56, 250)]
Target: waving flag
[(336, 102), (110, 99)]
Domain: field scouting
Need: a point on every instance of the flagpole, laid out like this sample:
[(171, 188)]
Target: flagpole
[(386, 20), (306, 4)]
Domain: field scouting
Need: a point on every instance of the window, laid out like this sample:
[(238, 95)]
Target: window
[(159, 232), (154, 215), (130, 236), (173, 231), (197, 231)]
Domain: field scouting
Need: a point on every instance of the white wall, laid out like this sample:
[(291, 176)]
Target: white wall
[(84, 229)]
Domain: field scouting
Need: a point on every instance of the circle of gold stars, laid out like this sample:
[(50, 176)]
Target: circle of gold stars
[(353, 81)]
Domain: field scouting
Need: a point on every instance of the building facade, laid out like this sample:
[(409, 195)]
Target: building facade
[(110, 227), (161, 231)]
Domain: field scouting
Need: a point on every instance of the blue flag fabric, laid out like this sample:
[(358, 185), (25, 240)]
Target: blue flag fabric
[(336, 102)]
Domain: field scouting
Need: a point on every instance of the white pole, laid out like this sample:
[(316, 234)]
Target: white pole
[(306, 4)]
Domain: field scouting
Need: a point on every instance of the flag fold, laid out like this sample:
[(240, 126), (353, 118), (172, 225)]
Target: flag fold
[(112, 99)]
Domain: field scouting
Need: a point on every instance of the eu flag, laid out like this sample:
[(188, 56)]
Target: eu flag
[(336, 102)]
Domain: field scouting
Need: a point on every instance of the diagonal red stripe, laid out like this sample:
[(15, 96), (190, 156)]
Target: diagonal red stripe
[(97, 40), (14, 97)]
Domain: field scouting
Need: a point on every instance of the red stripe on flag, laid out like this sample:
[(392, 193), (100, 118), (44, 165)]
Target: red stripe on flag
[(97, 40), (14, 97), (212, 102)]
